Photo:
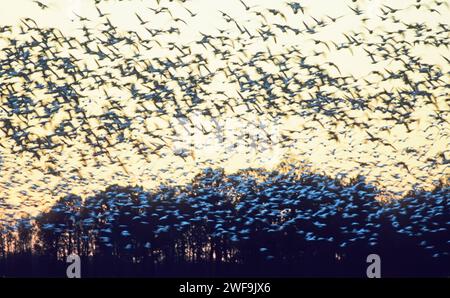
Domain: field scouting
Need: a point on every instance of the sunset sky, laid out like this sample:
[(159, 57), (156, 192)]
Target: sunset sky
[(25, 179)]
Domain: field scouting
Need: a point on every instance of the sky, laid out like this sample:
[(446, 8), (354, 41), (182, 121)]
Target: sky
[(26, 179)]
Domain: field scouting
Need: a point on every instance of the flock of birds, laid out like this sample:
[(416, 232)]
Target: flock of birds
[(107, 98)]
